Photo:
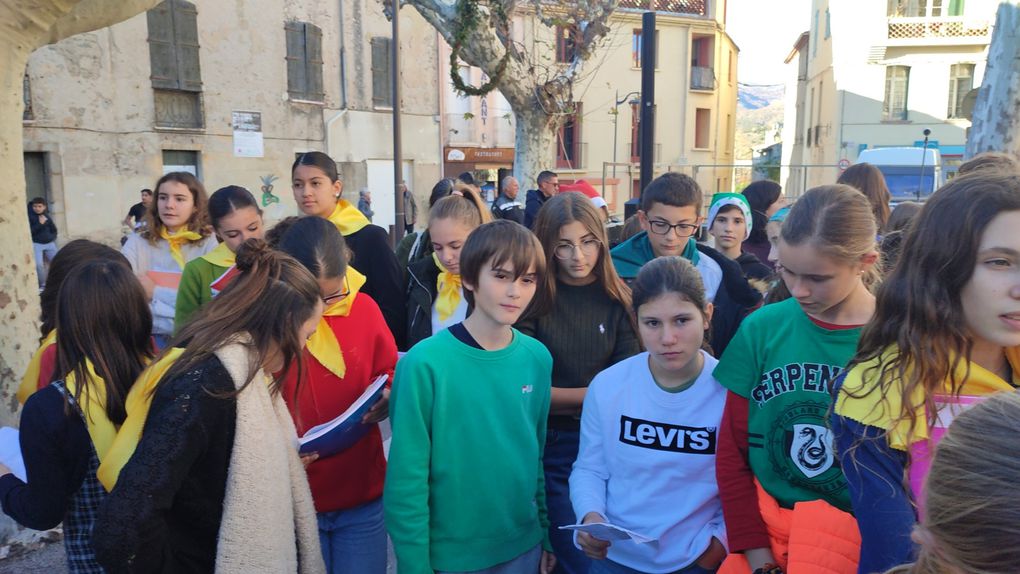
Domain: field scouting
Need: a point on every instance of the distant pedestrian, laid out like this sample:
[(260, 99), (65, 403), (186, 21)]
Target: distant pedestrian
[(136, 215), (507, 206), (44, 237), (365, 203), (410, 208), (548, 186)]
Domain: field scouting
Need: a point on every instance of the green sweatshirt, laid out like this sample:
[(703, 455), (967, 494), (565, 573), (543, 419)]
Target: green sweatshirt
[(465, 488), (194, 290)]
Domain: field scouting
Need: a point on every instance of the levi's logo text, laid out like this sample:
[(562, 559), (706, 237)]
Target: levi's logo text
[(668, 437), (813, 377)]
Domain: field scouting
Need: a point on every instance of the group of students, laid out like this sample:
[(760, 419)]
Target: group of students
[(548, 381)]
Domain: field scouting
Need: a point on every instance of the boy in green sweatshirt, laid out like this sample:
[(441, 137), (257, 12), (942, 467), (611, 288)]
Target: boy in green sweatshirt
[(464, 487)]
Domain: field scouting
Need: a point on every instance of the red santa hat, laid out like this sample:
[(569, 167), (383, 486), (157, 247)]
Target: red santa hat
[(586, 188)]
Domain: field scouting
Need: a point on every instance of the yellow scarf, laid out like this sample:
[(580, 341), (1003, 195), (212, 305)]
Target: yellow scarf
[(323, 344), (101, 429), (873, 409), (347, 218), (30, 382), (222, 256), (177, 240), (447, 291), (137, 405)]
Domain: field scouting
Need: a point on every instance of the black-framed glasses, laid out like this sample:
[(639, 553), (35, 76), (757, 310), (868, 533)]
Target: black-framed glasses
[(588, 247), (660, 227), (338, 296)]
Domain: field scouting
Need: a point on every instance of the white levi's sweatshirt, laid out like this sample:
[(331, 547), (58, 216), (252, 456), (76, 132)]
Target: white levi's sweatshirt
[(647, 463)]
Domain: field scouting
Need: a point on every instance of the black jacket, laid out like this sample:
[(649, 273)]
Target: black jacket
[(422, 276), (752, 267), (375, 259), (535, 200), (41, 232), (733, 301), (506, 208)]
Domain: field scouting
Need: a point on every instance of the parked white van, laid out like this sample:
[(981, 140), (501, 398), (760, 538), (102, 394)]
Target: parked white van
[(911, 173)]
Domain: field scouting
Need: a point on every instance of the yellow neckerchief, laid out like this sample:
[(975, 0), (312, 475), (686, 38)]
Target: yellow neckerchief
[(30, 382), (222, 256), (92, 403), (323, 344), (177, 240), (137, 405), (873, 409), (448, 292), (347, 218)]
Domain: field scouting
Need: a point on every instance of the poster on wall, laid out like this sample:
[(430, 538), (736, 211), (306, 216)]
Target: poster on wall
[(248, 134)]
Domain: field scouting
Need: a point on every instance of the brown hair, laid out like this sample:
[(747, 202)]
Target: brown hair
[(918, 309), (466, 208), (199, 220), (836, 219), (664, 275), (103, 318), (972, 515), (992, 160), (268, 301), (869, 180), (67, 258), (500, 242), (560, 210)]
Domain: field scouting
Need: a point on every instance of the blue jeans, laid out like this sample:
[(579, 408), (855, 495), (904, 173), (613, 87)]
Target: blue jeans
[(609, 567), (560, 454), (526, 563), (44, 253), (354, 540)]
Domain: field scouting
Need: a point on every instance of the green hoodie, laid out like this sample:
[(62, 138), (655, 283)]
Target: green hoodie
[(631, 255)]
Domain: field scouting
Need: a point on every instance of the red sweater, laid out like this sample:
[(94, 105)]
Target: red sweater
[(355, 476), (745, 527)]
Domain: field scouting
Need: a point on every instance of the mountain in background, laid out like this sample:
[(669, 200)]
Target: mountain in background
[(756, 97), (759, 117)]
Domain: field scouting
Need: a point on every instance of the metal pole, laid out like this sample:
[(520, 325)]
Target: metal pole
[(924, 153), (616, 120), (398, 196), (647, 98)]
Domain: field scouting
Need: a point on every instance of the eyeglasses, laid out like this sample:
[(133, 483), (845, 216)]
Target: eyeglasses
[(659, 227), (338, 296), (588, 248)]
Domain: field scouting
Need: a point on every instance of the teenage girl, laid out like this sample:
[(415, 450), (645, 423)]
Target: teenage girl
[(779, 369), (176, 233), (581, 315), (40, 368), (435, 296), (317, 189), (67, 427), (350, 348), (236, 217), (777, 290), (972, 520), (766, 198), (648, 431), (946, 333), (215, 482), (870, 181)]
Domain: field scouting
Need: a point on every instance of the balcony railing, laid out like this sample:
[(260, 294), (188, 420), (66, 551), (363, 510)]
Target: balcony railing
[(949, 30), (689, 7), (702, 78)]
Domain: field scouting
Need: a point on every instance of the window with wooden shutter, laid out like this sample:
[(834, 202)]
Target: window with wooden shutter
[(381, 95), (173, 46), (894, 105), (304, 61)]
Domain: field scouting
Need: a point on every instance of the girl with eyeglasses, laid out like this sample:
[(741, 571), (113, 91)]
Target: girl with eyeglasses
[(435, 296), (579, 314), (350, 347)]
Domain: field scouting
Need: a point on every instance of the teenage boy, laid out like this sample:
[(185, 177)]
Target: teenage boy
[(729, 222), (548, 186), (464, 487), (670, 216)]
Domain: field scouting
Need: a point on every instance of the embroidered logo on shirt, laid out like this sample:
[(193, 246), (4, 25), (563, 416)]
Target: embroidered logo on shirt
[(525, 389), (665, 436)]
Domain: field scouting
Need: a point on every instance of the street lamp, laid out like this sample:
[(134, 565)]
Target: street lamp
[(633, 97)]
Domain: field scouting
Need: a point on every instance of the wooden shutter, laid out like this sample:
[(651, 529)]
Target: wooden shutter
[(162, 54), (313, 63), (297, 82), (381, 72), (185, 18)]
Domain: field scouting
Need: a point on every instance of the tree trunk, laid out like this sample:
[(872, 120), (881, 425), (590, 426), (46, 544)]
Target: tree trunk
[(996, 118), (534, 139)]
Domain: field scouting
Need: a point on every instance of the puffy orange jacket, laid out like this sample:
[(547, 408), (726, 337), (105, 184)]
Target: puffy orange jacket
[(812, 538)]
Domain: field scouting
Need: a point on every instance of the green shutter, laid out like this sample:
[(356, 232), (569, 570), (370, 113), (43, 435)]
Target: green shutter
[(162, 54), (296, 81), (313, 62), (185, 18), (381, 72)]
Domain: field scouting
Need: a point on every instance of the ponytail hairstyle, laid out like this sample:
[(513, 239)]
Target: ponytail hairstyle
[(103, 318), (467, 209), (918, 309), (319, 160), (869, 180), (665, 275), (560, 210), (267, 303), (440, 190), (761, 195), (838, 221), (198, 222), (67, 258), (229, 199), (972, 516), (318, 245)]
